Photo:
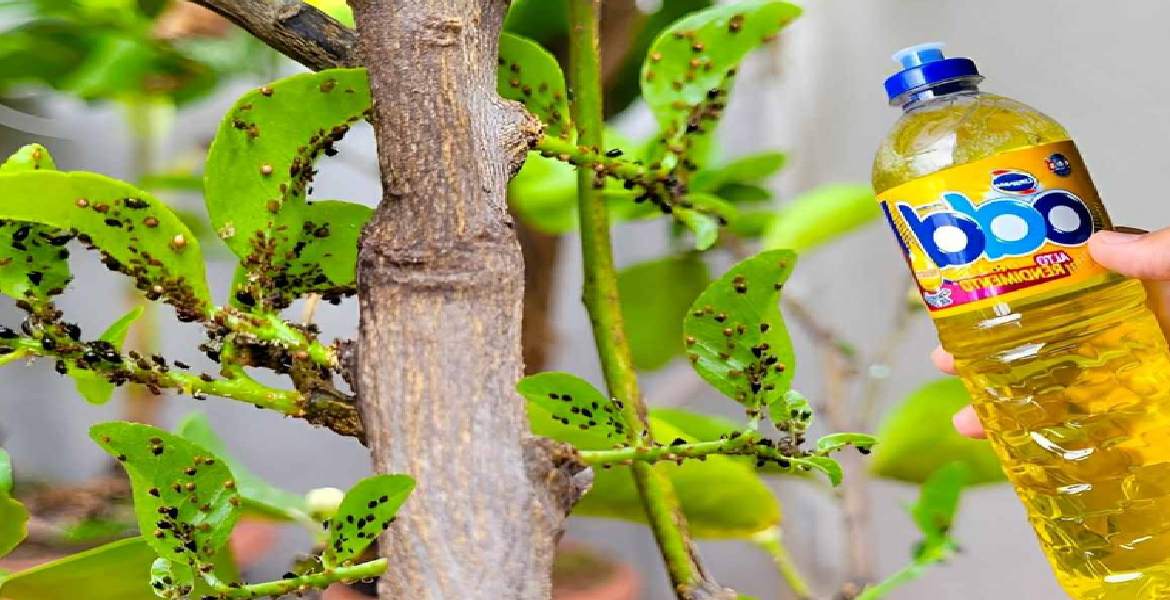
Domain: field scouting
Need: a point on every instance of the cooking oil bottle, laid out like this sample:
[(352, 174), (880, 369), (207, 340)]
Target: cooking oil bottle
[(993, 209)]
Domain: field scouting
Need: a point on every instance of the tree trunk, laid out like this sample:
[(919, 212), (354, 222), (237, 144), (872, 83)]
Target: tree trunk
[(440, 282)]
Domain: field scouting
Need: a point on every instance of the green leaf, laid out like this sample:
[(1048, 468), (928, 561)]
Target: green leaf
[(544, 194), (116, 571), (829, 467), (735, 334), (793, 408), (575, 403), (938, 501), (259, 168), (704, 227), (13, 516), (367, 510), (258, 495), (325, 259), (338, 9), (837, 441), (655, 297), (171, 580), (531, 75), (184, 496), (95, 388), (139, 235), (820, 215), (743, 193), (540, 20), (739, 172), (752, 224), (697, 425), (918, 438), (32, 157), (687, 72), (721, 497)]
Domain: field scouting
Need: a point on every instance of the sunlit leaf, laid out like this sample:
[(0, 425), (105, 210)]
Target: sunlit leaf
[(32, 257), (531, 75), (575, 403), (184, 496), (918, 438), (735, 334), (655, 296), (338, 9), (367, 510), (138, 235), (821, 215), (793, 408), (32, 157)]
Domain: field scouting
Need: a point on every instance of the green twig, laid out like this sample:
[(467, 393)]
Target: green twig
[(771, 541), (613, 166), (907, 574), (291, 585), (742, 445), (600, 295)]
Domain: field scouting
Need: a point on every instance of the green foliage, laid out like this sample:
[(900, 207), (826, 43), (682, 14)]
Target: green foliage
[(32, 157), (820, 215), (367, 510), (13, 516), (530, 75), (258, 495), (918, 438), (32, 255), (655, 296), (688, 69), (259, 168), (338, 9), (171, 580), (539, 20), (735, 335), (576, 404), (831, 468), (137, 234), (116, 571), (746, 169), (938, 502), (721, 496), (184, 496), (837, 441), (95, 388), (792, 408)]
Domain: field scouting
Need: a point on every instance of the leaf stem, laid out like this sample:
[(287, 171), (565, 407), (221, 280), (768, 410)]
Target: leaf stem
[(322, 580), (613, 166), (771, 541), (600, 295), (907, 574)]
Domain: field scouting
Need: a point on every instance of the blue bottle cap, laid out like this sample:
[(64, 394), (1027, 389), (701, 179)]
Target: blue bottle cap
[(924, 65)]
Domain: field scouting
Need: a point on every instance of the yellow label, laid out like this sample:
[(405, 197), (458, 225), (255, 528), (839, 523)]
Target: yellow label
[(1003, 228)]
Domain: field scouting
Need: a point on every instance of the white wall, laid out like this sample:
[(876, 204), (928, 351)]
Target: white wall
[(1095, 66)]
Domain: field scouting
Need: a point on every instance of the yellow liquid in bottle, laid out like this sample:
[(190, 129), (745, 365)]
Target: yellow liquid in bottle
[(1072, 387)]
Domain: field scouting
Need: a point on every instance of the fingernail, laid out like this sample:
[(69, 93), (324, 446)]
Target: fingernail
[(1117, 237)]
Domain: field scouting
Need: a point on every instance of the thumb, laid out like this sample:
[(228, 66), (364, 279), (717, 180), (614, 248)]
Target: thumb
[(1138, 255)]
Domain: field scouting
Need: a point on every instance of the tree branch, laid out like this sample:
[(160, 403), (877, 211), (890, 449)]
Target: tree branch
[(293, 28)]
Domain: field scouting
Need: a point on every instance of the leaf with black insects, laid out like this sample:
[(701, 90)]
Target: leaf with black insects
[(261, 163), (828, 466), (95, 388), (13, 516), (687, 72), (33, 259), (137, 234), (367, 510), (324, 259), (531, 75), (735, 334), (184, 496), (792, 408), (575, 403), (837, 441), (170, 579)]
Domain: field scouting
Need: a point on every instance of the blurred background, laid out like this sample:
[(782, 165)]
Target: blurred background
[(814, 95)]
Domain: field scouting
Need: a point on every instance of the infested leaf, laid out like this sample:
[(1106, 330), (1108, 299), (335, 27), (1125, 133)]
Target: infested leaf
[(655, 296), (367, 510), (171, 580), (258, 495), (33, 257), (184, 496), (32, 157), (837, 441), (918, 438), (687, 73), (137, 234), (259, 168), (92, 386), (531, 75), (575, 403), (821, 215), (792, 408), (735, 334)]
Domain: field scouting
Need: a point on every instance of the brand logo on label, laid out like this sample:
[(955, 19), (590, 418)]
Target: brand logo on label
[(1010, 181), (998, 228)]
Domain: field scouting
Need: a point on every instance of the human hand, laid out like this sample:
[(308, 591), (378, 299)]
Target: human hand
[(1132, 252)]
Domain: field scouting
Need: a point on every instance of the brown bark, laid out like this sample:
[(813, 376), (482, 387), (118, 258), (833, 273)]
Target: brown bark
[(295, 29), (440, 281)]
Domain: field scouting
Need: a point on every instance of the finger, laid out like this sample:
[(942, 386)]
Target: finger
[(967, 424), (1138, 255), (943, 360)]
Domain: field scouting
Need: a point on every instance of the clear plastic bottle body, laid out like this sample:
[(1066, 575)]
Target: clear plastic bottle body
[(1072, 387)]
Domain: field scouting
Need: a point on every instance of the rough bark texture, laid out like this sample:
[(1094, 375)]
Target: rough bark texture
[(294, 28), (440, 282)]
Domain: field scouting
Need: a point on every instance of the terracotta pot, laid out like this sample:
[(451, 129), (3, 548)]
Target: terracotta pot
[(574, 578)]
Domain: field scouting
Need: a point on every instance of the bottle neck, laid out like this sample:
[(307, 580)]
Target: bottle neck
[(965, 85)]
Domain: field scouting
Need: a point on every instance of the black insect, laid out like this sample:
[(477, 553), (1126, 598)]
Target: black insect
[(72, 330), (21, 233), (61, 367), (6, 333), (35, 277), (614, 153), (48, 343)]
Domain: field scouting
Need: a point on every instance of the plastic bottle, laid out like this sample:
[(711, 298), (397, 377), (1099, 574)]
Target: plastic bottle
[(1068, 369)]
